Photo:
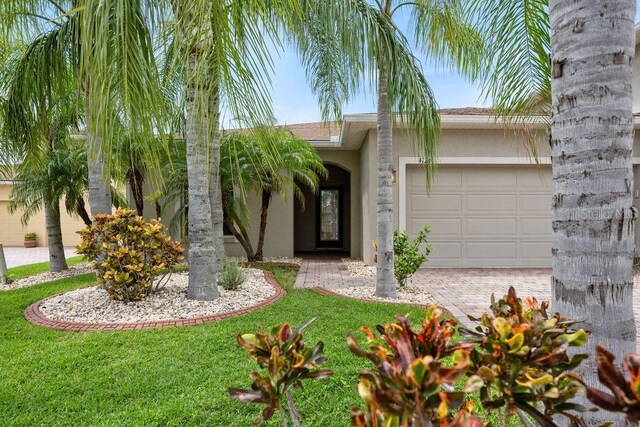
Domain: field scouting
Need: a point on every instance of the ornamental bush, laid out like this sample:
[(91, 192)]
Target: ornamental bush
[(286, 360), (231, 274), (407, 254), (131, 256)]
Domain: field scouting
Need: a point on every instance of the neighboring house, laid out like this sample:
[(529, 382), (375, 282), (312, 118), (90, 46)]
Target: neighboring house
[(12, 231)]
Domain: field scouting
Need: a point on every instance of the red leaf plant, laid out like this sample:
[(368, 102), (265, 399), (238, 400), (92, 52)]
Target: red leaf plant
[(287, 360)]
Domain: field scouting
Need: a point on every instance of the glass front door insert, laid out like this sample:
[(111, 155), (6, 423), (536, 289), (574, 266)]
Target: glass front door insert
[(330, 218)]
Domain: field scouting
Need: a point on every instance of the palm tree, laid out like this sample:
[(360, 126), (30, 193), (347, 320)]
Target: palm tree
[(243, 168), (591, 126), (591, 142), (36, 124), (404, 95)]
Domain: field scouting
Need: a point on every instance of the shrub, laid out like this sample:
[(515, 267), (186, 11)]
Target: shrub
[(287, 360), (521, 360), (625, 395), (231, 275), (129, 254), (30, 236), (410, 385), (407, 255)]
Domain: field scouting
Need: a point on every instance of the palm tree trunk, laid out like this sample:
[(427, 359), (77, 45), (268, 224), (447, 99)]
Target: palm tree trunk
[(202, 260), (136, 181), (264, 210), (57, 260), (99, 186), (592, 48), (241, 236), (81, 210), (385, 280), (217, 213)]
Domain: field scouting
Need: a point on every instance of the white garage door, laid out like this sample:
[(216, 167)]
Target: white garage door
[(483, 216)]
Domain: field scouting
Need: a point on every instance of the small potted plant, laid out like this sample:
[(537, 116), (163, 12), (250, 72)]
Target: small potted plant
[(30, 240)]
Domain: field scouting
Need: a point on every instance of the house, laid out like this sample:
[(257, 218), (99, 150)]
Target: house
[(12, 231), (489, 206)]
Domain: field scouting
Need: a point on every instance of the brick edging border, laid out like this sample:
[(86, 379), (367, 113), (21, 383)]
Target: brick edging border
[(329, 292), (35, 316)]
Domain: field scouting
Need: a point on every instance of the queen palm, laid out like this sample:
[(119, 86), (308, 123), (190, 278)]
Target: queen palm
[(243, 168), (36, 126), (404, 95)]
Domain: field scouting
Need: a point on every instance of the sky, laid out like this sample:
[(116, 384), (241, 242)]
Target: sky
[(293, 102)]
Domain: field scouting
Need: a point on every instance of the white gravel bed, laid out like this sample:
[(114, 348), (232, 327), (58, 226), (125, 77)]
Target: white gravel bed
[(275, 259), (357, 268), (407, 294), (93, 305), (36, 279)]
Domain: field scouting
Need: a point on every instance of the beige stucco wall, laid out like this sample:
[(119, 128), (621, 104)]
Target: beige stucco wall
[(472, 143), (12, 231), (279, 239), (279, 235)]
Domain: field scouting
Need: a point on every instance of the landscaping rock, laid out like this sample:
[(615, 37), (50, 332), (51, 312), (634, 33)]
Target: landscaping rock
[(36, 279), (93, 305), (410, 295)]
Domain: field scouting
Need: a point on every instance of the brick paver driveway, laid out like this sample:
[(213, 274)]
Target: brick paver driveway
[(16, 256), (464, 291)]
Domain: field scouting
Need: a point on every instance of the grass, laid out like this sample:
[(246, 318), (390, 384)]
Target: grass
[(168, 377), (22, 271)]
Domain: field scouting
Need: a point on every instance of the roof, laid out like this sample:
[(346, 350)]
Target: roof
[(315, 131), (466, 111)]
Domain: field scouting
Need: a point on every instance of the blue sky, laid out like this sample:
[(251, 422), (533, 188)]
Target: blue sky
[(294, 103)]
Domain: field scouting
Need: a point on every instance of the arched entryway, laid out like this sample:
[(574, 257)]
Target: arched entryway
[(323, 225)]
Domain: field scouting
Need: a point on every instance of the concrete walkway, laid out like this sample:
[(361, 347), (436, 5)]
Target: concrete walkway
[(17, 256), (462, 291)]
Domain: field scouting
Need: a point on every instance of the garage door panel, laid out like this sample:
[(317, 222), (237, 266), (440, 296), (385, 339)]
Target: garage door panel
[(538, 179), (494, 226), (450, 178), (535, 226), (440, 227), (435, 203), (538, 203), (445, 251), (491, 250), (483, 216), (492, 203), (536, 250), (483, 178)]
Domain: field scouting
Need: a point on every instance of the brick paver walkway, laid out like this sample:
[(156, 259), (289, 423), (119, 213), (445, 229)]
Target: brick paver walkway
[(462, 291), (16, 256)]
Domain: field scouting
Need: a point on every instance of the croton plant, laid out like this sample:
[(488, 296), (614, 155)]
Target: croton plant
[(410, 385), (286, 361), (521, 361), (625, 393), (130, 255)]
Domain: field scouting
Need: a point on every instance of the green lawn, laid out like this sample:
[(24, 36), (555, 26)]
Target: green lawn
[(168, 377), (30, 269)]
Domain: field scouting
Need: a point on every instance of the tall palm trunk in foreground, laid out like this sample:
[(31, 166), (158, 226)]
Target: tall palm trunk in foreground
[(202, 266), (385, 279), (592, 48)]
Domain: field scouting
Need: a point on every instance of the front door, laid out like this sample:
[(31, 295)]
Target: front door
[(329, 218)]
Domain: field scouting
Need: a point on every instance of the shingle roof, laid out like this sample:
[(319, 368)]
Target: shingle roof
[(466, 111), (316, 131)]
